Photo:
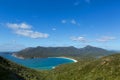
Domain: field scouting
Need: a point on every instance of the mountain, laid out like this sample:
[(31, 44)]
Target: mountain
[(62, 51), (13, 71), (94, 51)]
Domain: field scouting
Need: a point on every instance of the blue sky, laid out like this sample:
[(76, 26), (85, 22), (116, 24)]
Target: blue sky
[(30, 23)]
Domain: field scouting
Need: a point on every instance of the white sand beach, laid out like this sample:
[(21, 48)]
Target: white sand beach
[(66, 58), (48, 57), (53, 67), (17, 56)]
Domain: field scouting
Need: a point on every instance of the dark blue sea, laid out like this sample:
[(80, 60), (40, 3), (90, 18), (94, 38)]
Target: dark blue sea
[(38, 63)]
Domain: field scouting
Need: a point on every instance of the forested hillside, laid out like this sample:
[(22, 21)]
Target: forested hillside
[(106, 68)]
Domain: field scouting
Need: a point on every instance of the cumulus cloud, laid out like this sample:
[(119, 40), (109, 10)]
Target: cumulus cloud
[(106, 39), (79, 39), (31, 34), (24, 29), (19, 26)]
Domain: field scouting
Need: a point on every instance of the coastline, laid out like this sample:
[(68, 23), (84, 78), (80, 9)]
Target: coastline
[(53, 67), (74, 60), (13, 54)]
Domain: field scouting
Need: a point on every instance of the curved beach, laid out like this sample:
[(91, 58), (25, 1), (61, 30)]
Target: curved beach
[(74, 60)]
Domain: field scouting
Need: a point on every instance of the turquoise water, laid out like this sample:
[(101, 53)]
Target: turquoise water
[(38, 63)]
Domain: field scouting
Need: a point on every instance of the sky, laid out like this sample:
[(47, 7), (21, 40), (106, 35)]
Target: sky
[(52, 23)]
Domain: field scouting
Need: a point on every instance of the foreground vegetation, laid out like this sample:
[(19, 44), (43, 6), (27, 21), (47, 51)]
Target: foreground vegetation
[(105, 68), (8, 68)]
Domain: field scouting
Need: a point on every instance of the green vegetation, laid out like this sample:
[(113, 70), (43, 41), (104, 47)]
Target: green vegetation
[(8, 75), (105, 68), (8, 68)]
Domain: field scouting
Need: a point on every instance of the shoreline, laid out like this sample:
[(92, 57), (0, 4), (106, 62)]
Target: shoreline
[(17, 56), (74, 60), (53, 67)]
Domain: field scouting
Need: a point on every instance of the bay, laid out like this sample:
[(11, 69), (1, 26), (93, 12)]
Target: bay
[(38, 63)]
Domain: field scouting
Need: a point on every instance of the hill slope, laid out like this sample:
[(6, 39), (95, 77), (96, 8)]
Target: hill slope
[(62, 51), (8, 75), (12, 71), (106, 68)]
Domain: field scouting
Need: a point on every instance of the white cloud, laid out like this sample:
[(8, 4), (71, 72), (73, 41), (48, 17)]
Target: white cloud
[(24, 29), (18, 26), (84, 40), (64, 21), (54, 29), (106, 39), (31, 34), (73, 21), (79, 39)]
